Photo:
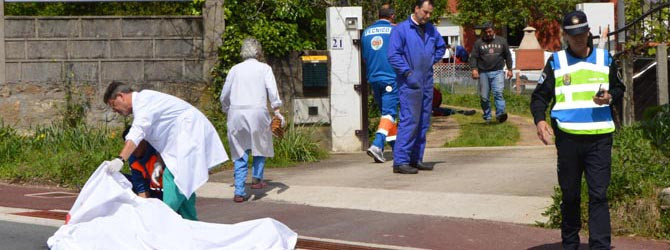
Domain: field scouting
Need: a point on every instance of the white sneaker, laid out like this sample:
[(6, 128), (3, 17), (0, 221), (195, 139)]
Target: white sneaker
[(376, 153)]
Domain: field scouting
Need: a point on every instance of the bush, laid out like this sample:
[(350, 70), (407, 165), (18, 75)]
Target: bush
[(56, 154), (297, 145), (657, 127)]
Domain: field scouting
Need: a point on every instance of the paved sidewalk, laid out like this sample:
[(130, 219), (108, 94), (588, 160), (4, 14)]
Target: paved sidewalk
[(476, 198), (510, 184)]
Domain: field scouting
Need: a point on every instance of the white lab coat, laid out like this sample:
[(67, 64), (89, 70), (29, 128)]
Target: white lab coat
[(108, 215), (186, 140), (244, 97)]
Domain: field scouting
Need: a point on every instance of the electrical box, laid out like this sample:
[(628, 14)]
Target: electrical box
[(311, 110), (315, 75)]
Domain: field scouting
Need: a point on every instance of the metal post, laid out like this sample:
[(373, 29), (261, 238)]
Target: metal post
[(363, 90), (3, 78), (662, 73), (628, 101)]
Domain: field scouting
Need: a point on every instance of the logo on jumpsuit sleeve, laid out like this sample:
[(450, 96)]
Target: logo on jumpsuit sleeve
[(377, 42)]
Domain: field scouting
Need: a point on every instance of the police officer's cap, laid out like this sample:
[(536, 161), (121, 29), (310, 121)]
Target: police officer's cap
[(575, 23)]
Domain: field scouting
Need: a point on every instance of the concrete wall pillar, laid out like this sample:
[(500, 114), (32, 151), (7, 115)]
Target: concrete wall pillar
[(214, 26), (662, 73)]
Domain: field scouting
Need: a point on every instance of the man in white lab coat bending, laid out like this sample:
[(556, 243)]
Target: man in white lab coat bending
[(187, 142), (245, 94)]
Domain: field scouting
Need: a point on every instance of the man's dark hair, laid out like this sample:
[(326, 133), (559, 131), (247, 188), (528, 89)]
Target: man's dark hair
[(114, 89), (418, 3), (386, 12)]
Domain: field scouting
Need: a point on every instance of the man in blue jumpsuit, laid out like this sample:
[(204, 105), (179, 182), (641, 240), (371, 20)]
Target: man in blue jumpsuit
[(414, 47), (382, 80)]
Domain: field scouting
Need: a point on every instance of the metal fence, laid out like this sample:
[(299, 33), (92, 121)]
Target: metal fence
[(454, 78)]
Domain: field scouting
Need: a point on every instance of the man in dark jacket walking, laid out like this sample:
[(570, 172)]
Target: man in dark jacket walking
[(489, 55)]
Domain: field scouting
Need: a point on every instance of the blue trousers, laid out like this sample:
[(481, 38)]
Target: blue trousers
[(242, 167), (386, 98), (492, 80), (415, 110)]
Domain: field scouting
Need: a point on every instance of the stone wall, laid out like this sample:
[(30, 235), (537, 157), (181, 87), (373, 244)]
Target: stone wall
[(171, 54), (288, 74)]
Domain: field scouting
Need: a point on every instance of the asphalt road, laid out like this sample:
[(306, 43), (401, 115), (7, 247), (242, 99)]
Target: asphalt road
[(21, 236)]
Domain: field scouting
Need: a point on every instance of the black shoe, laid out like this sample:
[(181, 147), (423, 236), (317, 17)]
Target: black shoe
[(468, 112), (404, 169), (421, 166), (502, 117)]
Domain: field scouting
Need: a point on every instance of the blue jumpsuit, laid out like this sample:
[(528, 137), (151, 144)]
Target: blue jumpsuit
[(381, 77), (413, 55)]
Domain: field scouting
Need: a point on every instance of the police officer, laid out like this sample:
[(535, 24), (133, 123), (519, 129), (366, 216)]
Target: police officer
[(580, 82), (381, 77), (414, 47)]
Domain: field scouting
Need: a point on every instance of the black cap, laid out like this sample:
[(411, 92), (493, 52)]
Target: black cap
[(575, 23)]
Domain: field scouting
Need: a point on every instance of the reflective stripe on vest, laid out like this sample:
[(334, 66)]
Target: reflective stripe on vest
[(577, 81)]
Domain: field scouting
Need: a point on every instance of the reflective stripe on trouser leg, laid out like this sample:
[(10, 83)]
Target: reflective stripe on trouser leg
[(176, 200), (392, 133), (386, 131)]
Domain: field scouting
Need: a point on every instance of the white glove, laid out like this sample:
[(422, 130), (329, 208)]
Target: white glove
[(158, 167), (114, 165), (281, 117)]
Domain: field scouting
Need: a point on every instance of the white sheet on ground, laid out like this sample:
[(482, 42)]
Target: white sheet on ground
[(108, 215)]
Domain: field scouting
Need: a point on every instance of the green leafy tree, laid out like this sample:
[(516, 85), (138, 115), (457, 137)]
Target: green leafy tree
[(511, 13), (104, 8), (653, 28), (281, 26)]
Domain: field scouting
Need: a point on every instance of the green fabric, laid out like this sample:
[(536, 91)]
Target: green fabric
[(560, 98), (583, 76), (176, 200), (583, 96), (588, 132)]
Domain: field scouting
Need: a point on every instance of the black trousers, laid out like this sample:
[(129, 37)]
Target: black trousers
[(592, 155)]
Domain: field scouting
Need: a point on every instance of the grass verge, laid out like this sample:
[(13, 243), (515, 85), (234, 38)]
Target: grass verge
[(476, 133), (66, 156), (56, 154), (514, 104)]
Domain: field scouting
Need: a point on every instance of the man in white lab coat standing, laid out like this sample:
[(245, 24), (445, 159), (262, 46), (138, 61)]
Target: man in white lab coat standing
[(244, 97), (187, 142)]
